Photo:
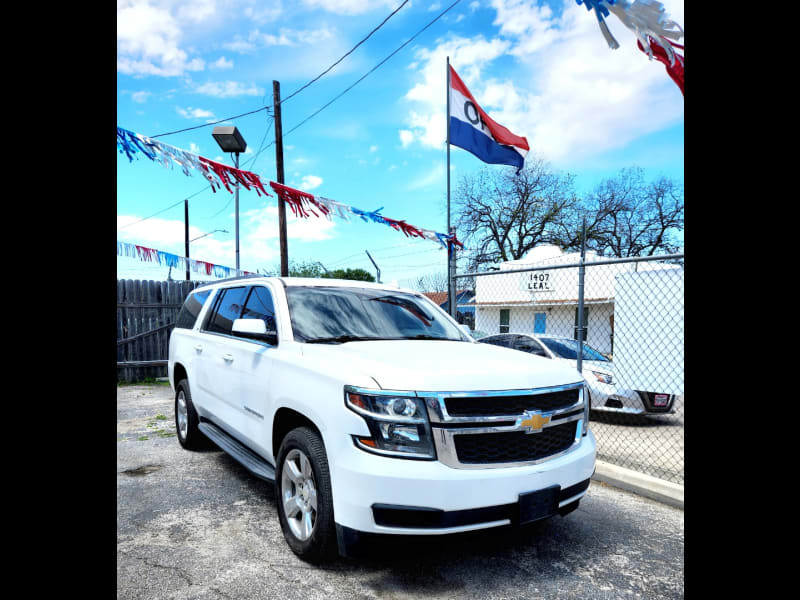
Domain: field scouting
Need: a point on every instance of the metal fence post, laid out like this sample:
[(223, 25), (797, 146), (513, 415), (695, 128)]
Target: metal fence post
[(581, 275), (452, 291)]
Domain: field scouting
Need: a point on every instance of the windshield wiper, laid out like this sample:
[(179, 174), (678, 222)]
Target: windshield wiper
[(425, 336), (340, 339)]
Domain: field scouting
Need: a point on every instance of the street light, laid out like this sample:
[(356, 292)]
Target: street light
[(230, 140)]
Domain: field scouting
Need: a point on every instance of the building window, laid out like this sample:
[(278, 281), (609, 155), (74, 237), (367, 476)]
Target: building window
[(505, 317), (585, 321)]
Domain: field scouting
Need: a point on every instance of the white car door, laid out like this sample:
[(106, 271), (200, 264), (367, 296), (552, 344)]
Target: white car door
[(218, 352), (252, 366)]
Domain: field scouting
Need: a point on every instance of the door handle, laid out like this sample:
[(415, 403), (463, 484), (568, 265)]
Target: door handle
[(199, 347), (228, 357)]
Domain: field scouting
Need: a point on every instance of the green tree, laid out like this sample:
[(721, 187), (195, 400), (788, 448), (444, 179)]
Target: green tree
[(353, 274), (314, 269)]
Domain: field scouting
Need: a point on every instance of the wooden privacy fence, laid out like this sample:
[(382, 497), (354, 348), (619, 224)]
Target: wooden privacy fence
[(146, 313)]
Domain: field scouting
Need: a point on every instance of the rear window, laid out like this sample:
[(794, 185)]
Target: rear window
[(191, 308)]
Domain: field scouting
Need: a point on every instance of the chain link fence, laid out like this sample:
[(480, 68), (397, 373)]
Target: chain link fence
[(632, 351)]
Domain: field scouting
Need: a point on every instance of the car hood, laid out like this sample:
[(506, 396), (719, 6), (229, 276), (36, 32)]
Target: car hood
[(428, 365)]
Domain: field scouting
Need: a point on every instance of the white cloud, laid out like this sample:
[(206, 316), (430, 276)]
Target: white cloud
[(571, 96), (195, 113), (197, 11), (194, 148), (228, 89), (263, 14), (149, 37), (262, 226), (140, 97), (436, 176), (221, 63), (349, 7), (373, 148), (309, 182)]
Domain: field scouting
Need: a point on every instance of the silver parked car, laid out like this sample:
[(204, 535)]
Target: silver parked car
[(598, 371)]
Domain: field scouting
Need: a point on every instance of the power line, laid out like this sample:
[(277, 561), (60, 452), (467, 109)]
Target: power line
[(163, 210), (346, 55), (370, 71), (296, 91), (213, 123)]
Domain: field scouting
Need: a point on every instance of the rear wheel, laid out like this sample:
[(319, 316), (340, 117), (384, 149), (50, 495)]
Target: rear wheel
[(305, 505)]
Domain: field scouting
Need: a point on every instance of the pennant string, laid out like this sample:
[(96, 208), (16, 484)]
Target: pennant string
[(130, 143), (301, 202)]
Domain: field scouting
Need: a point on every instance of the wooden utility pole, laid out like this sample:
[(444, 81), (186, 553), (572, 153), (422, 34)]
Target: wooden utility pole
[(186, 234), (276, 106)]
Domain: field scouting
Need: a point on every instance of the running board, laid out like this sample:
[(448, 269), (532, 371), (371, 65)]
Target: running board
[(239, 452)]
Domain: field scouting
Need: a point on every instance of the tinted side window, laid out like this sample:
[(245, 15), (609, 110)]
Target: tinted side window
[(259, 306), (503, 341), (228, 309), (190, 309), (531, 346)]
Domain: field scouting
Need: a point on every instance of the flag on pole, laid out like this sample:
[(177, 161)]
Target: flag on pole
[(476, 132)]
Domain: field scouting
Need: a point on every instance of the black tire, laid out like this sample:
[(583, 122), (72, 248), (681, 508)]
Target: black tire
[(192, 438), (321, 544)]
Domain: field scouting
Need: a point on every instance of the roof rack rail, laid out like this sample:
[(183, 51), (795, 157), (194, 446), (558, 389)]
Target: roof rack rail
[(252, 276)]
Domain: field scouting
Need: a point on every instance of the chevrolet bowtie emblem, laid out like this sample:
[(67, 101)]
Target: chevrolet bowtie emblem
[(534, 421)]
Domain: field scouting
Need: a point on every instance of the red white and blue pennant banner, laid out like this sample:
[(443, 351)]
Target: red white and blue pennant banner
[(217, 174), (301, 203), (304, 204), (647, 19), (166, 259)]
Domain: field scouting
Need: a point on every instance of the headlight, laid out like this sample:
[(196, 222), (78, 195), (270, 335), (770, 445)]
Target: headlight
[(586, 405), (603, 377), (398, 424)]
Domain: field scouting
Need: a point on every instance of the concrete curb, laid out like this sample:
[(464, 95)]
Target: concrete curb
[(639, 483)]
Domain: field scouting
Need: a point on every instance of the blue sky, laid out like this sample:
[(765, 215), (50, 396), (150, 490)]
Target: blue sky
[(542, 69)]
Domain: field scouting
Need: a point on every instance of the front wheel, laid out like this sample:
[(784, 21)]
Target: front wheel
[(305, 501)]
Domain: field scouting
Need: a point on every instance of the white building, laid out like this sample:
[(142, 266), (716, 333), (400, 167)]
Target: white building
[(546, 301)]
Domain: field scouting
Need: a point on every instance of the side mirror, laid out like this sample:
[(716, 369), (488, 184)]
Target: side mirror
[(255, 329)]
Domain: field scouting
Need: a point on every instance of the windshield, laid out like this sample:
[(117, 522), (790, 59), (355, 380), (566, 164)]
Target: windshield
[(567, 348), (342, 314)]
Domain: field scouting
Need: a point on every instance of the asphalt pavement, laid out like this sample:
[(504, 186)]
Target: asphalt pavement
[(198, 525)]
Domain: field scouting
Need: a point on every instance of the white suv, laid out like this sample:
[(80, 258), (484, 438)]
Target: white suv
[(374, 412)]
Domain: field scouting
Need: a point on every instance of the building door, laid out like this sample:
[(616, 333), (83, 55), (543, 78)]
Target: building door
[(540, 323), (585, 323)]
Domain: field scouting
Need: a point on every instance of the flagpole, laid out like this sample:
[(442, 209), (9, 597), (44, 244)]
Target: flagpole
[(451, 300)]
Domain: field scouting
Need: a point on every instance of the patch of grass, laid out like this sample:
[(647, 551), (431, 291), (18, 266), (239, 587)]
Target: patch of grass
[(161, 417), (145, 381), (143, 438), (163, 433)]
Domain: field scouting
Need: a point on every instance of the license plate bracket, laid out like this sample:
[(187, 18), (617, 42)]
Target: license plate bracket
[(539, 504)]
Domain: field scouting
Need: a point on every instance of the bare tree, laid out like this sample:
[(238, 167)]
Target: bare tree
[(632, 217), (432, 282), (502, 216)]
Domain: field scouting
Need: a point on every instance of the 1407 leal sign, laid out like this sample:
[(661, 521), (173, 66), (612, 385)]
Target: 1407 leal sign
[(539, 281)]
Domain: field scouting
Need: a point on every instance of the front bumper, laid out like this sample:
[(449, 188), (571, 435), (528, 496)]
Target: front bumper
[(362, 480)]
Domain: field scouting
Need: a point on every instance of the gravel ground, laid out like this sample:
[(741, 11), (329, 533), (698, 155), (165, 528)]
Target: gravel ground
[(198, 525)]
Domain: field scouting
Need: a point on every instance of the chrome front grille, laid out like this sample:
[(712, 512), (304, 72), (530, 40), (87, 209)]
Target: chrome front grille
[(480, 430)]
